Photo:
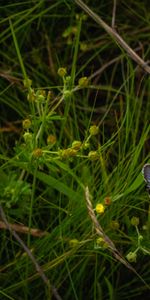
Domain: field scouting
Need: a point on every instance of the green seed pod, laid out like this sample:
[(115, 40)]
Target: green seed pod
[(26, 123), (27, 137), (135, 221), (27, 83), (76, 145), (66, 153), (131, 257), (62, 72), (73, 243), (94, 130), (83, 82), (93, 155)]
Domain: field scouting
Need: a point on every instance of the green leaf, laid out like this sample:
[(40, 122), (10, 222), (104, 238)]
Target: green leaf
[(59, 186)]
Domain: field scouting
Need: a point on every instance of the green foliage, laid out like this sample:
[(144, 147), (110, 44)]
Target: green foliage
[(14, 193)]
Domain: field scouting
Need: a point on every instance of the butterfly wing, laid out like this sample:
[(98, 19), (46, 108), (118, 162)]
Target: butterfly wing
[(146, 174)]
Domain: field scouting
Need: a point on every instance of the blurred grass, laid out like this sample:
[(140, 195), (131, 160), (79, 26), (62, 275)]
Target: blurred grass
[(49, 35)]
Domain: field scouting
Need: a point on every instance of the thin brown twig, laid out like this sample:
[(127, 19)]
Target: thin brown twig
[(24, 229), (29, 253), (10, 78), (106, 65), (115, 36)]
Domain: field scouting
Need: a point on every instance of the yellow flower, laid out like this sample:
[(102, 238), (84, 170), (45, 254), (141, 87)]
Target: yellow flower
[(100, 208)]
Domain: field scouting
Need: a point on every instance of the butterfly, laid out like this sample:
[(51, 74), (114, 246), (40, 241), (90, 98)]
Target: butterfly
[(146, 174)]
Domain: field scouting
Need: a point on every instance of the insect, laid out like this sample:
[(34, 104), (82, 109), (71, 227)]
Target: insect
[(146, 174)]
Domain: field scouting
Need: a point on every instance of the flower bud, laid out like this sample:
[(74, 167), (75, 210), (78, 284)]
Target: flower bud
[(93, 155), (86, 145), (76, 145), (27, 83), (37, 153), (67, 94), (62, 72), (100, 243), (94, 130), (26, 123), (73, 243), (31, 96), (27, 137), (135, 221), (114, 225), (83, 82), (107, 201), (66, 153), (131, 257), (51, 139)]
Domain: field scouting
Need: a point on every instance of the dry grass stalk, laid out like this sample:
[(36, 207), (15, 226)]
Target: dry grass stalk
[(113, 33), (102, 234)]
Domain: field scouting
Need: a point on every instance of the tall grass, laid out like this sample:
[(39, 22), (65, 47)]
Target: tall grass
[(73, 116)]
